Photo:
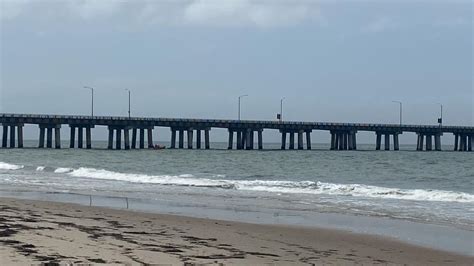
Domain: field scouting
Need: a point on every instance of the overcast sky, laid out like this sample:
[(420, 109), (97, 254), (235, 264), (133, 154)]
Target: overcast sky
[(343, 61)]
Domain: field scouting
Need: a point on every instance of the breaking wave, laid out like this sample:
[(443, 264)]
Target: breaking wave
[(9, 166), (290, 187)]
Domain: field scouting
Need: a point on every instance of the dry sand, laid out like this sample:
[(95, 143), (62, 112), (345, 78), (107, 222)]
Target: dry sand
[(37, 231)]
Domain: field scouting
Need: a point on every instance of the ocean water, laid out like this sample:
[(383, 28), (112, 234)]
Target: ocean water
[(424, 187)]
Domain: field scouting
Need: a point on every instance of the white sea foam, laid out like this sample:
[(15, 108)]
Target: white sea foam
[(9, 166), (62, 170), (40, 168), (290, 187)]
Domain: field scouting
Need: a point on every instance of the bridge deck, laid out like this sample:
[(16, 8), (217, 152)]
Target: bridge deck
[(219, 123)]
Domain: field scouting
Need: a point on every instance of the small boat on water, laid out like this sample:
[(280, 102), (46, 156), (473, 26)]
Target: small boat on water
[(159, 147)]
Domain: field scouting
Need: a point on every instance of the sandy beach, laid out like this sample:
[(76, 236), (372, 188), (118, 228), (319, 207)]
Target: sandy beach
[(37, 231)]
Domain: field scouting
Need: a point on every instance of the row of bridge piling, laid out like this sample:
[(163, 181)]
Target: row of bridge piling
[(244, 138)]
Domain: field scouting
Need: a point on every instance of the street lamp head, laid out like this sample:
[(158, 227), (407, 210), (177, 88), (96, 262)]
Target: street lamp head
[(243, 95)]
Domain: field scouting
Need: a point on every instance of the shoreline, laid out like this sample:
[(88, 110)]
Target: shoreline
[(34, 231)]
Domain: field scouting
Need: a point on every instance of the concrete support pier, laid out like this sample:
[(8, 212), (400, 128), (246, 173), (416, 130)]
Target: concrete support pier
[(181, 139), (110, 139), (190, 138), (283, 140), (437, 140), (425, 141), (470, 142), (206, 139), (134, 138), (15, 131), (378, 142), (5, 136), (118, 139), (463, 142), (231, 140), (396, 144), (126, 137), (150, 137), (292, 141), (333, 140), (49, 137), (142, 138), (248, 139), (387, 142), (300, 140), (173, 138), (260, 139), (80, 137), (57, 137), (308, 139), (198, 139)]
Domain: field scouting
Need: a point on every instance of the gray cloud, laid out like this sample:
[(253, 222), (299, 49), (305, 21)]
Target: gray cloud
[(260, 13)]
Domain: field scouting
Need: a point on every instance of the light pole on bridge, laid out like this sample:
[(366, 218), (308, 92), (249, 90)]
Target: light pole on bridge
[(129, 96), (92, 99), (401, 106), (281, 108), (241, 96), (440, 120)]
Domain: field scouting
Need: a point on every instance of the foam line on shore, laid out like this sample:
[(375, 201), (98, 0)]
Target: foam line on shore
[(306, 187)]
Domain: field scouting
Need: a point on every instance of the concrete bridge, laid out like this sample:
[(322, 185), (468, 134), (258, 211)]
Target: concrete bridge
[(342, 135)]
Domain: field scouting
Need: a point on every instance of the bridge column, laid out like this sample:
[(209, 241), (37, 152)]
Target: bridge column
[(422, 137), (57, 137), (206, 139), (150, 137), (469, 143), (49, 137), (333, 140), (173, 138), (134, 138), (354, 140), (181, 139), (387, 142), (349, 141), (437, 142), (463, 146), (308, 139), (283, 140), (111, 138), (72, 138), (260, 139), (378, 143), (5, 136), (80, 137), (252, 135), (456, 141), (336, 141), (20, 135), (239, 140), (190, 139), (142, 138), (344, 140), (126, 136), (12, 136), (41, 136), (118, 139), (231, 136), (429, 142), (396, 145), (198, 139), (292, 140), (300, 140), (89, 137), (341, 141), (248, 139)]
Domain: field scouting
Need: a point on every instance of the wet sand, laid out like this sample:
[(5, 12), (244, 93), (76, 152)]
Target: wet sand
[(38, 231)]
